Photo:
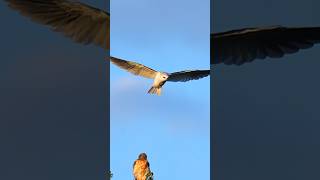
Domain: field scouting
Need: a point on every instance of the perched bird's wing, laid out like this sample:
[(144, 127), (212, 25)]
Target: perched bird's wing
[(149, 174), (184, 76), (245, 45), (134, 68), (82, 23)]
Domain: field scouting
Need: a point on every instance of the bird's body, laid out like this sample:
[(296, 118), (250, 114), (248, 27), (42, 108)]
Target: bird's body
[(141, 168), (158, 82)]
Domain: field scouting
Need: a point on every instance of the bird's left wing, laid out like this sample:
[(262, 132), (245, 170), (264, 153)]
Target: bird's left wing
[(134, 68), (82, 23), (245, 45), (184, 76)]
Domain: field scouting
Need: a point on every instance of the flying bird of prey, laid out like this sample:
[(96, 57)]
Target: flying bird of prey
[(89, 25), (245, 45), (160, 78), (78, 21), (141, 168)]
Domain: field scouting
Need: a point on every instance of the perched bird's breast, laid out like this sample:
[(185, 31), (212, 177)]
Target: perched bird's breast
[(141, 164), (140, 169)]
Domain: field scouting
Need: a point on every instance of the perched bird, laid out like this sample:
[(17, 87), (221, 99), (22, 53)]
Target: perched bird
[(78, 21), (245, 45), (160, 78), (141, 168)]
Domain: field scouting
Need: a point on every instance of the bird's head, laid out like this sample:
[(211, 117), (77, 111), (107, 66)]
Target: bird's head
[(142, 156), (164, 76)]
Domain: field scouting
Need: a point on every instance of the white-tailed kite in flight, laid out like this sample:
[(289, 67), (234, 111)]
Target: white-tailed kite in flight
[(160, 78), (89, 25)]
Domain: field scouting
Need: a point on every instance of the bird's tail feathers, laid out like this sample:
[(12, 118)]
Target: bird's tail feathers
[(155, 90)]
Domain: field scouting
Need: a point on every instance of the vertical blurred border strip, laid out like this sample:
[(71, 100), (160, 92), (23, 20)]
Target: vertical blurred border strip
[(108, 172), (213, 137)]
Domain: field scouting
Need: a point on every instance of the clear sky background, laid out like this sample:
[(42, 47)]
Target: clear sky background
[(172, 129), (266, 113)]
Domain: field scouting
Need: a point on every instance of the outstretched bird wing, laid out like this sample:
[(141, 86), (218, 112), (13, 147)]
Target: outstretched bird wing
[(134, 68), (245, 45), (82, 23), (184, 76)]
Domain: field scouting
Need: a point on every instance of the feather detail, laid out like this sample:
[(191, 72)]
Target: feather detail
[(155, 90)]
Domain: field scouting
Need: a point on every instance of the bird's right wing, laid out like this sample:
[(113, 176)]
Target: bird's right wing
[(134, 68), (184, 76), (82, 23)]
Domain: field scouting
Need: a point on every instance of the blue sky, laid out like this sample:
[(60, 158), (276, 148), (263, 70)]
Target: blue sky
[(172, 129)]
